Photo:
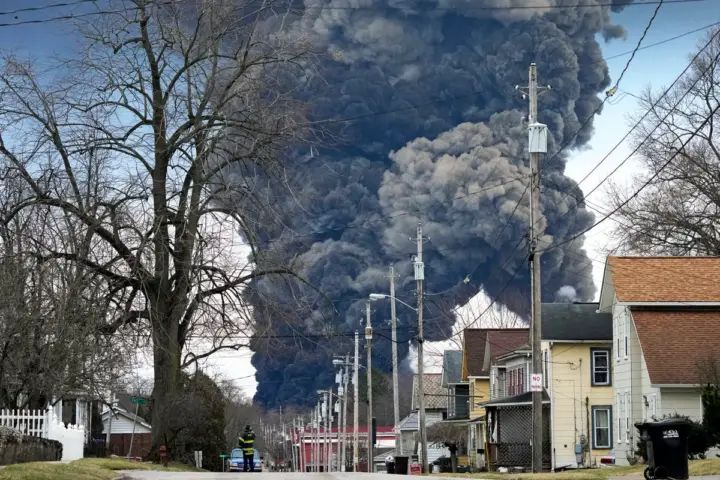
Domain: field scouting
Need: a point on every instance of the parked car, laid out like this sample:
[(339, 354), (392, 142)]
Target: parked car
[(236, 464)]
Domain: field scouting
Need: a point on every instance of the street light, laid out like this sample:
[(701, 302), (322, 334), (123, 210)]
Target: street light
[(419, 277), (393, 322)]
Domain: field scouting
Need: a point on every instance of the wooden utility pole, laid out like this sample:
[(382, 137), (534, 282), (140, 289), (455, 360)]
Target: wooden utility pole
[(396, 393), (537, 144), (368, 337), (356, 399), (419, 278)]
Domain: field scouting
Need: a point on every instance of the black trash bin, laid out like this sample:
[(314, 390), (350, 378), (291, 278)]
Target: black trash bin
[(667, 448), (390, 466), (401, 465)]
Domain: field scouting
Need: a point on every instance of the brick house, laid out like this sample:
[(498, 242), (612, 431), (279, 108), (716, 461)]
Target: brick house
[(666, 324)]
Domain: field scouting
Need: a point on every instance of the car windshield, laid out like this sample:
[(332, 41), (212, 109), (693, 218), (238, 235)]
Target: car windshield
[(236, 453)]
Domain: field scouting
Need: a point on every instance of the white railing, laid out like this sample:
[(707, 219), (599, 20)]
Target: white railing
[(45, 424), (28, 422)]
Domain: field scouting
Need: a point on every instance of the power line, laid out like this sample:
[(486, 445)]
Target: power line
[(608, 94), (46, 7), (645, 184)]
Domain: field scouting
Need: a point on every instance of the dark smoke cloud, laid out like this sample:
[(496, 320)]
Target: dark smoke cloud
[(458, 64)]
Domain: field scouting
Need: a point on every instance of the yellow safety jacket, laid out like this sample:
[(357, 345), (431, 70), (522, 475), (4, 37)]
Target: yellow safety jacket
[(247, 443)]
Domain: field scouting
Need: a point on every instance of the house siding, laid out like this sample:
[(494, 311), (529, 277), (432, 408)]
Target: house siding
[(121, 424), (633, 385), (572, 398), (681, 401)]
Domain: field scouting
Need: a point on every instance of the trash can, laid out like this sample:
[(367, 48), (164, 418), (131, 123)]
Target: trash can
[(401, 465), (667, 448), (389, 464)]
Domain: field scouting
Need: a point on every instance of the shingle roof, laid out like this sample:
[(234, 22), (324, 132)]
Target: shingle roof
[(575, 321), (451, 370), (483, 345), (666, 279), (435, 394), (676, 358)]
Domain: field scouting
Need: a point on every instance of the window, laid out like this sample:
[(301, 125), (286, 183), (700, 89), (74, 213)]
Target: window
[(628, 414), (602, 426), (621, 415), (626, 346), (516, 381), (600, 366)]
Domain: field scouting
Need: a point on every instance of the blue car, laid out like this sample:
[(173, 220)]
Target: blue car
[(236, 461)]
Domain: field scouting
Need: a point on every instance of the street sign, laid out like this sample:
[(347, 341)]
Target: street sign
[(536, 382), (138, 400)]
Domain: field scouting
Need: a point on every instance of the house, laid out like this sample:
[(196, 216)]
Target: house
[(436, 408), (308, 440), (458, 393), (666, 324), (509, 412), (480, 347), (126, 427), (457, 390), (576, 352)]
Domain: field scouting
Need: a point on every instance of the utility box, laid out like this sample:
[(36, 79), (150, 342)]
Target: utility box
[(537, 138)]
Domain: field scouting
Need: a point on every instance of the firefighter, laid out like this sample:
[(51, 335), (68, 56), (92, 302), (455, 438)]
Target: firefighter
[(247, 444)]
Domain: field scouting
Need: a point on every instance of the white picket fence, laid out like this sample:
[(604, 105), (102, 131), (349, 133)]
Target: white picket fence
[(45, 424), (27, 422)]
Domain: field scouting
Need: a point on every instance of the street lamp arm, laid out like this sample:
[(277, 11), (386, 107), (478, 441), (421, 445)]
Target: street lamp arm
[(378, 296)]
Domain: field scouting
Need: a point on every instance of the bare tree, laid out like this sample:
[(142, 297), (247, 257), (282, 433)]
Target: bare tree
[(452, 436), (162, 123), (479, 312), (677, 212), (49, 344)]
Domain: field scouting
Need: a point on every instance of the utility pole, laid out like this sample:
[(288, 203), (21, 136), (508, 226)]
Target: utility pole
[(346, 374), (419, 278), (396, 394), (331, 412), (368, 337), (537, 144), (356, 392)]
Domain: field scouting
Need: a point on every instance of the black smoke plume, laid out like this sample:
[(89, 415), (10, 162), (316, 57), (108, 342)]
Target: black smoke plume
[(425, 119)]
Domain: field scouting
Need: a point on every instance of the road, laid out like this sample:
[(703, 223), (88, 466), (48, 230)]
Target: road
[(138, 475)]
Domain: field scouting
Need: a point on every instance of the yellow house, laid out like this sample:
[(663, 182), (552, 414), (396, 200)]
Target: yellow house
[(577, 353), (480, 347)]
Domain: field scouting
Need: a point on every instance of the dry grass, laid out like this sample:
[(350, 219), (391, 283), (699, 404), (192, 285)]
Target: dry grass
[(86, 469), (711, 466)]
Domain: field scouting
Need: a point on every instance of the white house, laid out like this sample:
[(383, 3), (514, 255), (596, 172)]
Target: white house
[(666, 324), (121, 424)]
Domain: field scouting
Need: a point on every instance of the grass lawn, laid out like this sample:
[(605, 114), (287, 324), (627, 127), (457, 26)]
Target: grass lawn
[(697, 467), (86, 469)]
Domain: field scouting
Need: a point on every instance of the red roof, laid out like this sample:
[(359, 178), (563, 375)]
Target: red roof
[(676, 343), (483, 345), (666, 279)]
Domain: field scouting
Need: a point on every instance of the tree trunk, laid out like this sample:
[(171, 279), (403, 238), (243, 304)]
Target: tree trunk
[(166, 356)]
